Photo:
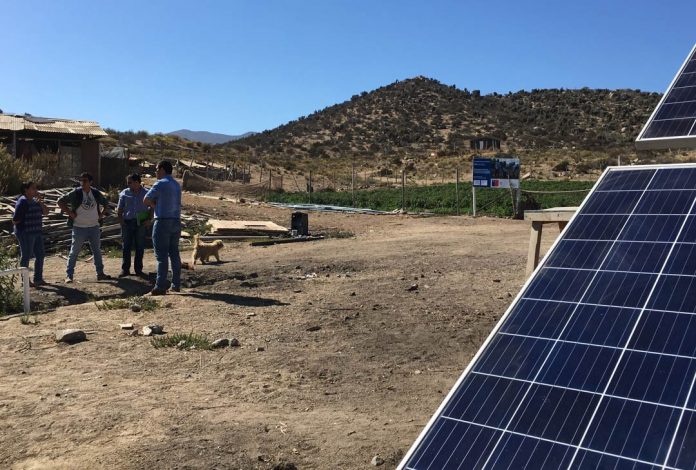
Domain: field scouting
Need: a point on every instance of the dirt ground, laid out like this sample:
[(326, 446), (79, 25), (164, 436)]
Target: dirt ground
[(339, 361)]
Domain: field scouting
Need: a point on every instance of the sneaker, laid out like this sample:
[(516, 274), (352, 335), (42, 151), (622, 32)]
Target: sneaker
[(157, 291), (68, 280), (103, 277), (140, 274), (124, 274), (39, 283), (175, 289)]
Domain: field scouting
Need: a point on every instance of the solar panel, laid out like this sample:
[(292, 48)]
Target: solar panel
[(593, 365), (673, 123)]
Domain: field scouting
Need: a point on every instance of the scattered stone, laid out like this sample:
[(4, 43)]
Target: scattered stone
[(377, 461), (260, 349), (417, 372), (412, 288), (181, 344), (71, 336), (152, 330), (314, 328), (285, 466), (126, 326), (136, 308), (250, 315), (234, 343), (220, 343)]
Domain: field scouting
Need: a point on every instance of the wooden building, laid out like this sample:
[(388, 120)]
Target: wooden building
[(75, 143)]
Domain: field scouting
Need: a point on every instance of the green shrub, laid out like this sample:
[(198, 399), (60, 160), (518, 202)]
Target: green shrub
[(13, 171), (10, 296)]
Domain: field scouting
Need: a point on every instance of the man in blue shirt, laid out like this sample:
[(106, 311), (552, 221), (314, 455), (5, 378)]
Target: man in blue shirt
[(134, 217), (165, 198)]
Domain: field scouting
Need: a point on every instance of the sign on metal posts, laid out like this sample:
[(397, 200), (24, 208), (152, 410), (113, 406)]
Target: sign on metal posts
[(495, 172)]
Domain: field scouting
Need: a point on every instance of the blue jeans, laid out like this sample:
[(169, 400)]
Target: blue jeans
[(165, 239), (80, 235), (133, 235), (31, 245)]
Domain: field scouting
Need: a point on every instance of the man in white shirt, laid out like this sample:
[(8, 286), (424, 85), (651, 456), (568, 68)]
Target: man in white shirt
[(85, 207)]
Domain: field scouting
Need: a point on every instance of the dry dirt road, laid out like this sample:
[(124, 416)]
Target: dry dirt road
[(339, 361)]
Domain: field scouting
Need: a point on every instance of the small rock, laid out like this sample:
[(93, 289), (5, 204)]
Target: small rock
[(496, 280), (71, 336), (297, 291), (314, 328), (136, 308), (352, 294), (152, 330), (412, 288), (220, 343), (181, 344), (234, 342), (126, 326), (250, 315), (260, 349), (377, 461)]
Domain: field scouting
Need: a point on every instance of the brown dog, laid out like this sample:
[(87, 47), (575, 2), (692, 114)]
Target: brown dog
[(204, 250)]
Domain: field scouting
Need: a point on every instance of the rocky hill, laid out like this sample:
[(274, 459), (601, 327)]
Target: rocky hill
[(423, 116), (206, 137)]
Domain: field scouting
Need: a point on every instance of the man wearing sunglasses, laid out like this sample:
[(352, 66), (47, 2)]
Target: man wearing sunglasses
[(86, 207)]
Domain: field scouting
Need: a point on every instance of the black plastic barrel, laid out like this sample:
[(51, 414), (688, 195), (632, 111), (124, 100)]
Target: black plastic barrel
[(300, 222)]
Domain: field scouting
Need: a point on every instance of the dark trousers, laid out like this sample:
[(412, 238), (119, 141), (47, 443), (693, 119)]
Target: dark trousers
[(165, 239), (133, 237), (31, 245)]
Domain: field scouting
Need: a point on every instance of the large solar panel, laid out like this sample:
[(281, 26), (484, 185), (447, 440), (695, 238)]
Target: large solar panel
[(593, 364), (673, 123)]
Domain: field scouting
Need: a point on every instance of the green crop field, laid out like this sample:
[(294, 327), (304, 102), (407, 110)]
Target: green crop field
[(442, 199)]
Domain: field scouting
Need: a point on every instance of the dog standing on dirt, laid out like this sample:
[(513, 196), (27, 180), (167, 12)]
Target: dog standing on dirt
[(204, 250)]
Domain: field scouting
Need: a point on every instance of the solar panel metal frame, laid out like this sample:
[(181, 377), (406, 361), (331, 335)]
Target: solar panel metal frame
[(513, 304), (674, 142)]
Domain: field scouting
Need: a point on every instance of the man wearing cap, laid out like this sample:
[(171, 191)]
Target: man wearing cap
[(85, 207)]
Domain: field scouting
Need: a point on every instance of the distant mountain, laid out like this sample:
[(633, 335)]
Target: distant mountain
[(208, 137)]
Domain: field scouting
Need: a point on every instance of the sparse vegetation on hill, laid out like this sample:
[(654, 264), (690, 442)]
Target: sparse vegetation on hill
[(423, 125)]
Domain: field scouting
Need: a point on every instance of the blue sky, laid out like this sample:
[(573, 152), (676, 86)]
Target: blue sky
[(238, 66)]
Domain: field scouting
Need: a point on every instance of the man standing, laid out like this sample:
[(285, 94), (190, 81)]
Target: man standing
[(86, 207), (29, 210), (165, 198), (134, 217)]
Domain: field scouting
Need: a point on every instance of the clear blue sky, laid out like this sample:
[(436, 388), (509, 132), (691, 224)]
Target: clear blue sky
[(237, 66)]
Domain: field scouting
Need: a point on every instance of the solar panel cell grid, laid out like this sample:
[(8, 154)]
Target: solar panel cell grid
[(594, 364), (674, 120)]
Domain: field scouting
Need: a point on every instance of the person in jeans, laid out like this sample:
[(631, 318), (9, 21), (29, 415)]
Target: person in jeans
[(85, 207), (165, 198), (28, 213), (134, 217)]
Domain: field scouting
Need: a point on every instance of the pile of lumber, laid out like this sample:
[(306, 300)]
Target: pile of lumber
[(230, 228), (57, 234)]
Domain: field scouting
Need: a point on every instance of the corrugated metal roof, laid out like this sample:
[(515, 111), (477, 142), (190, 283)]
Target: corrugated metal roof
[(16, 122)]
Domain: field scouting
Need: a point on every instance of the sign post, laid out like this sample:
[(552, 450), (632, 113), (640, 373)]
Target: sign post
[(498, 172)]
